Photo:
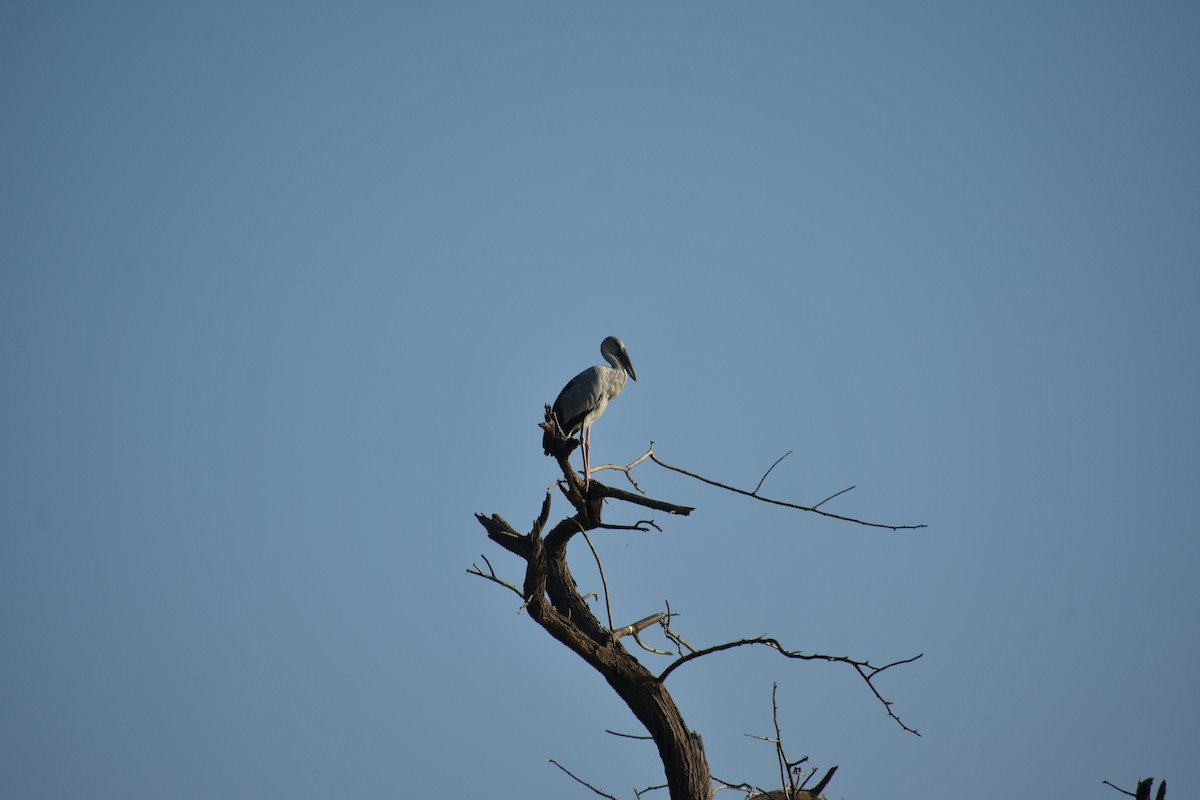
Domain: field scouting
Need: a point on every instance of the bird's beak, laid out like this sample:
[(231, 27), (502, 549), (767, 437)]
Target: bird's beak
[(628, 365)]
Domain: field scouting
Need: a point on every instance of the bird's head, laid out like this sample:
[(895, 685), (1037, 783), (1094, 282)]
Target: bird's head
[(613, 350)]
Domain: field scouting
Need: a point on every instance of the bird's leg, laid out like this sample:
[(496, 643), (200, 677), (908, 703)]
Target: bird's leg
[(585, 440)]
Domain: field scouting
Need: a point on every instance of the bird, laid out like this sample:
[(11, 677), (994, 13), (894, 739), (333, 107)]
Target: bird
[(584, 398)]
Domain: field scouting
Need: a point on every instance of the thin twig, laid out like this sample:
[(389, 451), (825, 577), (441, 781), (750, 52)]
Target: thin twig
[(679, 641), (741, 787), (784, 503), (784, 777), (637, 526), (603, 580), (768, 472), (637, 637), (1119, 789), (629, 735), (868, 674), (580, 780), (794, 769), (835, 494), (788, 770)]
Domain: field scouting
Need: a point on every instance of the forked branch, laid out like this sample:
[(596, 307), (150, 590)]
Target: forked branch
[(491, 575), (627, 469), (865, 669), (815, 509)]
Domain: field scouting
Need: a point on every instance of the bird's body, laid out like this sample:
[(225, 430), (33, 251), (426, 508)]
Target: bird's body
[(584, 398)]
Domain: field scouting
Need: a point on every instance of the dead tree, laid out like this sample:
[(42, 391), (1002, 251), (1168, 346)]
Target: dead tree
[(551, 597)]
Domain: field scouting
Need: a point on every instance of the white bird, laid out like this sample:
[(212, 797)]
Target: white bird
[(584, 398)]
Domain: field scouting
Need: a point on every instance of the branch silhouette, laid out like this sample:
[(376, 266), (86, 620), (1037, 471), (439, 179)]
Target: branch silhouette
[(1143, 789), (815, 509), (551, 597), (866, 670)]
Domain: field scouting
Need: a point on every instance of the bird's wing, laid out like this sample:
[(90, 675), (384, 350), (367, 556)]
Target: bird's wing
[(582, 393)]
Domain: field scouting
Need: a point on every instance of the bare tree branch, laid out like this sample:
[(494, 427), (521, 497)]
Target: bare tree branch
[(794, 769), (640, 625), (640, 525), (628, 735), (784, 503), (865, 669), (561, 448), (627, 469), (785, 778), (679, 641), (821, 784), (503, 534), (582, 781), (637, 638), (738, 787), (540, 523), (603, 580), (1143, 789), (602, 490), (491, 575), (752, 791)]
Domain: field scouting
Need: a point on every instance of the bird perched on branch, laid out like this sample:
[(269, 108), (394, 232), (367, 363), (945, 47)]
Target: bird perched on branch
[(584, 398)]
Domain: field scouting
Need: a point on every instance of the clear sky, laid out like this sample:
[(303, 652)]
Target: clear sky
[(284, 286)]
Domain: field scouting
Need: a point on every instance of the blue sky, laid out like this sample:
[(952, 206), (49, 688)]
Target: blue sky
[(285, 286)]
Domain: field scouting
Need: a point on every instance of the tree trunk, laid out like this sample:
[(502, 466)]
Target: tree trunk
[(567, 617)]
